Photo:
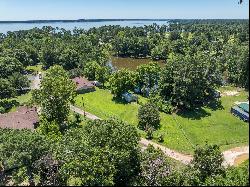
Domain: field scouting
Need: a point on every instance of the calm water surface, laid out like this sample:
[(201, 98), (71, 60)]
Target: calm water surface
[(5, 27)]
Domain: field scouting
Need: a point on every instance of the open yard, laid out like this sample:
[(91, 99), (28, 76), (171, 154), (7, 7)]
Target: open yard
[(20, 100), (214, 124)]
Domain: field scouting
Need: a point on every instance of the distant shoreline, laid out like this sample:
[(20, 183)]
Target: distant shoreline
[(104, 20), (81, 20)]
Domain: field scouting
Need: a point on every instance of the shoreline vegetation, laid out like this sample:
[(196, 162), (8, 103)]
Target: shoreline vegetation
[(80, 20), (103, 20)]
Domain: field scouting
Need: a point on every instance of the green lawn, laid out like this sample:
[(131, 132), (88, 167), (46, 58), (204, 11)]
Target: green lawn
[(24, 98), (183, 131), (37, 68), (101, 104), (21, 100)]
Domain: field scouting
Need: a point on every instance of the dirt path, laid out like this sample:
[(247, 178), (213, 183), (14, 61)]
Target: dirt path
[(232, 157), (185, 159), (230, 93), (81, 112), (236, 155)]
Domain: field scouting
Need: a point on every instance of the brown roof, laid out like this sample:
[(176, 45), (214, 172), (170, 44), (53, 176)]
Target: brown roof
[(82, 82), (23, 118)]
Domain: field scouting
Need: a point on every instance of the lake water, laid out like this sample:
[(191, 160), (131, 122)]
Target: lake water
[(5, 27), (117, 63)]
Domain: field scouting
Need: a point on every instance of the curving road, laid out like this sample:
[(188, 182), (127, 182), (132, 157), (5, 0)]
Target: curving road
[(230, 156), (83, 113)]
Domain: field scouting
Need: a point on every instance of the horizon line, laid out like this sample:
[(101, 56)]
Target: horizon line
[(117, 19)]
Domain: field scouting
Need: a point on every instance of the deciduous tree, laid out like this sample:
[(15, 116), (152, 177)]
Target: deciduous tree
[(121, 81), (148, 117), (56, 94)]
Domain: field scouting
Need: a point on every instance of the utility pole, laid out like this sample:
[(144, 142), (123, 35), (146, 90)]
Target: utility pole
[(83, 108)]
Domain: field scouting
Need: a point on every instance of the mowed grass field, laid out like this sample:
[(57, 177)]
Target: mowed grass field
[(182, 132)]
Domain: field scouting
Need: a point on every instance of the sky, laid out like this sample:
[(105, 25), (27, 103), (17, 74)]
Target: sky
[(130, 9)]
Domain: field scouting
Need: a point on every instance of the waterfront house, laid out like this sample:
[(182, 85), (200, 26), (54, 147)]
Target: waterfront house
[(83, 84)]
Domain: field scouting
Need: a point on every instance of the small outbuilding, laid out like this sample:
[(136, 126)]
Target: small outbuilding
[(137, 90), (241, 110), (128, 97), (217, 94), (97, 84)]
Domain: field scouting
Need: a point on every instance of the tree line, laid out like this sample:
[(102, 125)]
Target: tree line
[(200, 55)]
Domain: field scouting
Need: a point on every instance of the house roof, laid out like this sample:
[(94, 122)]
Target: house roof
[(23, 118), (82, 82)]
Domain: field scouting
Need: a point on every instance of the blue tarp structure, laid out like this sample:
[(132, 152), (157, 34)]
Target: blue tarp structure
[(244, 106), (241, 112), (129, 97)]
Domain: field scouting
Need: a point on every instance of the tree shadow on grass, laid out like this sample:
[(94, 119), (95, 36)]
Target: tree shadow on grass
[(119, 100), (215, 105), (199, 112), (195, 114), (9, 104)]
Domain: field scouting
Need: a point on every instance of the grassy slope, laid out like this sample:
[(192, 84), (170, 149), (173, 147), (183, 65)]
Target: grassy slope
[(214, 126), (22, 99)]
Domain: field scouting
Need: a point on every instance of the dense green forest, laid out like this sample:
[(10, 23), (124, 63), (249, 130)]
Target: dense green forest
[(208, 53), (199, 56), (105, 153)]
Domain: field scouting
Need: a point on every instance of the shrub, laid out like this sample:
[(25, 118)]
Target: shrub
[(161, 138), (163, 106), (2, 109), (149, 117), (6, 105), (166, 107), (208, 161), (150, 134)]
